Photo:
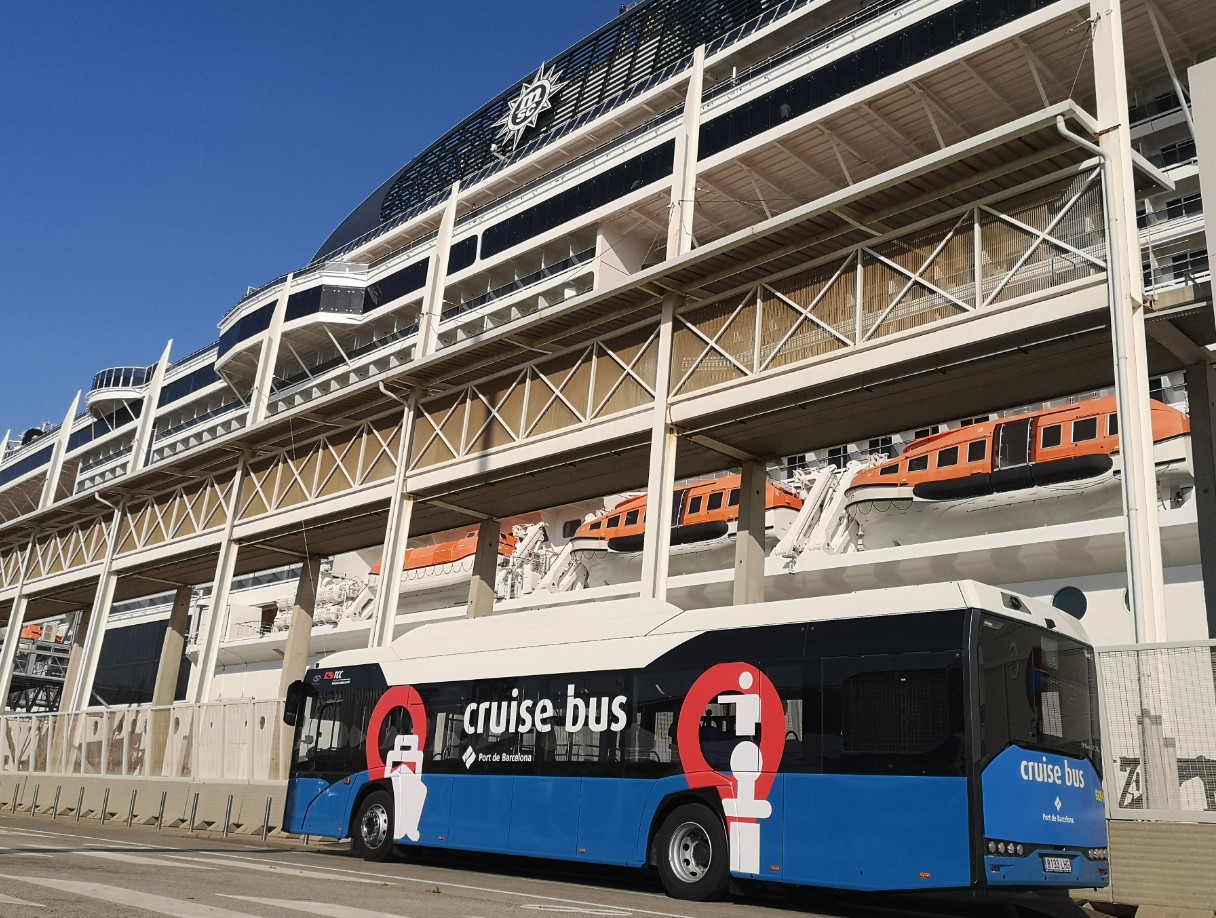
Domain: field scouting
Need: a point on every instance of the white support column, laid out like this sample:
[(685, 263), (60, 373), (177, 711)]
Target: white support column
[(55, 467), (72, 676), (397, 532), (147, 414), (99, 615), (12, 636), (1201, 398), (216, 619), (299, 633), (1146, 587), (437, 277), (749, 542), (172, 647), (268, 358), (663, 436), (482, 592)]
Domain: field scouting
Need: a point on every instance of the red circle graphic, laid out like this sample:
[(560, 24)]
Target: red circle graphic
[(399, 696)]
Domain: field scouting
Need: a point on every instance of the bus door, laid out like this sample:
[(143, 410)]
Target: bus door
[(1011, 467)]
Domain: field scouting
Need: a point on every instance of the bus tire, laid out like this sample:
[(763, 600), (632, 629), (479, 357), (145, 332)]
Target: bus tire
[(691, 854), (372, 831)]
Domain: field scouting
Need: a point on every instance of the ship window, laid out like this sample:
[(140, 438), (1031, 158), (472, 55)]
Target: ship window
[(597, 524), (919, 464), (715, 500), (947, 457), (1112, 425), (613, 522), (890, 469), (734, 497), (694, 505), (631, 518), (569, 528), (977, 450), (1084, 429), (1051, 436)]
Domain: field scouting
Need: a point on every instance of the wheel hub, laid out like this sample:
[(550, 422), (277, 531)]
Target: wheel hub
[(690, 852), (374, 827)]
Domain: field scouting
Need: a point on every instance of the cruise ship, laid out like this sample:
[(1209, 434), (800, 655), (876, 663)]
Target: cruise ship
[(751, 299)]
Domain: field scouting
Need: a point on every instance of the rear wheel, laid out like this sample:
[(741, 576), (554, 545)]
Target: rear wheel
[(691, 853), (372, 832)]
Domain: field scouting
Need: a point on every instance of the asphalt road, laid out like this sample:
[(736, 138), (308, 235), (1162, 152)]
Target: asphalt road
[(69, 869)]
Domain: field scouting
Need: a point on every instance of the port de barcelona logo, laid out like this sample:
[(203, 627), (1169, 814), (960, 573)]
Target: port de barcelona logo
[(534, 98)]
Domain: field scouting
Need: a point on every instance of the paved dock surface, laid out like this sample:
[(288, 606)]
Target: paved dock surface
[(67, 869)]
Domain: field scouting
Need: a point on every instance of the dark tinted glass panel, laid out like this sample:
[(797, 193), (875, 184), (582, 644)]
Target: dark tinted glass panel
[(26, 465), (977, 450), (463, 254), (918, 463), (1112, 425), (631, 517), (614, 522), (947, 457), (126, 669), (715, 501), (890, 469), (1051, 436), (1084, 429), (401, 283), (187, 385), (694, 505), (246, 327), (734, 497)]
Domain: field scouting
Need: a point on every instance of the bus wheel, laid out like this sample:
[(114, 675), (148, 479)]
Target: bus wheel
[(372, 832), (690, 850)]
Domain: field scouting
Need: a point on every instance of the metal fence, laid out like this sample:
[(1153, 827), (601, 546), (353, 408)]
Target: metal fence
[(229, 741), (1159, 704)]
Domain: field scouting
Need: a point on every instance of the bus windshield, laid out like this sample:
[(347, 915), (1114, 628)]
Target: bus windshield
[(1038, 689)]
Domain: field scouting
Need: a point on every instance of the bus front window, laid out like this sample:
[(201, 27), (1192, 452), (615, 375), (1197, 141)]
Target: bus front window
[(1038, 689)]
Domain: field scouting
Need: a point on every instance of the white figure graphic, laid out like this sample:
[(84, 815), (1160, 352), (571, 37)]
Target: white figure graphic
[(746, 764), (403, 765)]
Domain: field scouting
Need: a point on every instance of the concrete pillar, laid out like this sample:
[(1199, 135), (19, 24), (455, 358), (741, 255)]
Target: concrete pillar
[(75, 657), (215, 622), (1201, 394), (397, 532), (90, 651), (482, 592), (268, 358), (437, 277), (55, 467), (299, 634), (12, 638), (749, 543), (1146, 583), (660, 478), (147, 414), (171, 650)]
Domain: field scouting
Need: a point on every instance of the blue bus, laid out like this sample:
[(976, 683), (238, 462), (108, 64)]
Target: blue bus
[(933, 737)]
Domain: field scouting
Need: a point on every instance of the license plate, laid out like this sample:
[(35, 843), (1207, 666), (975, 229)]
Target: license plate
[(1057, 864)]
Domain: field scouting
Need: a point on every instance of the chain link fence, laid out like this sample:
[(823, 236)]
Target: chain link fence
[(1159, 712)]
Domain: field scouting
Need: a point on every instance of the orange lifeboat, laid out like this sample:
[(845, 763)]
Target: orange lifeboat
[(443, 555), (702, 511), (1052, 465)]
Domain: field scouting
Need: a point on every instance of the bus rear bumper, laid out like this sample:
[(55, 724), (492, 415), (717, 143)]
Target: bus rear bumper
[(1031, 871)]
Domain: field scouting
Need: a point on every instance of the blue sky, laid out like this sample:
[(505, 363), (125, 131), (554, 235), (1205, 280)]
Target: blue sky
[(157, 158)]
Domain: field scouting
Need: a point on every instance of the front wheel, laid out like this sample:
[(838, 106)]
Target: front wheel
[(372, 832), (691, 853)]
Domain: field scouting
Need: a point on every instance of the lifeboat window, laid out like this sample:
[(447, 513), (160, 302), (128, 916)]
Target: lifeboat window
[(614, 522), (1084, 429), (694, 505), (631, 518), (1112, 425), (597, 524), (734, 497), (977, 450), (569, 528), (890, 469), (947, 457), (715, 500), (1051, 436), (919, 464)]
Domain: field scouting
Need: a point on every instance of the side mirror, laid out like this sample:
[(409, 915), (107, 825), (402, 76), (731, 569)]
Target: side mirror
[(291, 706)]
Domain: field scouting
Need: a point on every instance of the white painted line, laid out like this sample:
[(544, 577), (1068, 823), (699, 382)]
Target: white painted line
[(292, 870), (13, 900), (141, 860), (132, 898), (577, 910), (316, 908), (501, 892)]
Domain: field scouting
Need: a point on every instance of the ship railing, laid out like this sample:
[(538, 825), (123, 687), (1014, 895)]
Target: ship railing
[(223, 741), (1159, 731)]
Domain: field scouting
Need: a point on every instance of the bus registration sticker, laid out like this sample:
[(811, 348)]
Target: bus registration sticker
[(1057, 864)]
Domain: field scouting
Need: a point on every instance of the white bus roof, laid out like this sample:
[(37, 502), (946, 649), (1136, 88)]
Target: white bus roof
[(630, 633)]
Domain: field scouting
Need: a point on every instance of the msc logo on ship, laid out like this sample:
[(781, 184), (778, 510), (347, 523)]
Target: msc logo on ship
[(533, 99)]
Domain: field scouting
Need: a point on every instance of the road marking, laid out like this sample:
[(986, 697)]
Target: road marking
[(131, 898), (17, 852), (265, 867), (13, 900), (141, 860), (577, 910), (316, 908), (397, 877)]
